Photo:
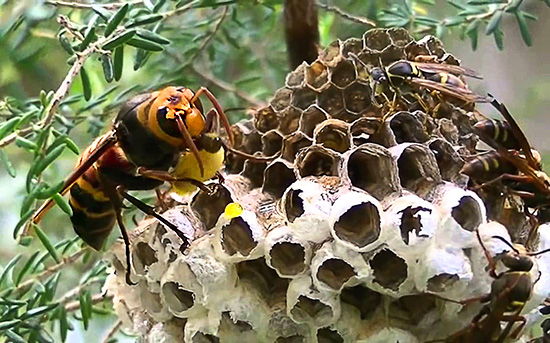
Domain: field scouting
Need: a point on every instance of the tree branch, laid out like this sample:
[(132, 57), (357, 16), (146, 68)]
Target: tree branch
[(359, 20), (227, 87), (109, 6), (25, 286)]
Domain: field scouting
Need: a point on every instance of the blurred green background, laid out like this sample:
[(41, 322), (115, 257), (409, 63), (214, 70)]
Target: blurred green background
[(243, 63)]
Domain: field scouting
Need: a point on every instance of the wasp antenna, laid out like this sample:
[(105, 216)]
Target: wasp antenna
[(189, 142), (355, 57), (219, 109), (253, 158), (539, 252), (507, 243)]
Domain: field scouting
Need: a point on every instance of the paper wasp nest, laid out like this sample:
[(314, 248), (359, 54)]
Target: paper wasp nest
[(341, 236)]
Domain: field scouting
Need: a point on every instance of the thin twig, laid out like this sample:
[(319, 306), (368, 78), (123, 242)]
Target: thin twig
[(210, 36), (112, 331), (25, 286), (180, 10), (227, 87), (109, 6), (359, 20), (60, 93)]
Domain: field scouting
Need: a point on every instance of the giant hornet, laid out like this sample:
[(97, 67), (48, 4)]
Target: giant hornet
[(401, 75), (151, 133), (519, 167), (510, 290)]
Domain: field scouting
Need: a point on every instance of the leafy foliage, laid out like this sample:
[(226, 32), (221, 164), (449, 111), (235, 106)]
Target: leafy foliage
[(60, 96)]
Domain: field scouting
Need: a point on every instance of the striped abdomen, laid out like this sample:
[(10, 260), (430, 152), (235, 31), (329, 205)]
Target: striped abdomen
[(93, 212), (499, 131), (488, 166)]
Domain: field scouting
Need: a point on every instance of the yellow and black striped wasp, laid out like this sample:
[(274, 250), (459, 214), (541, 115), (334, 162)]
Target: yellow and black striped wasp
[(518, 168), (152, 133), (510, 291), (402, 80)]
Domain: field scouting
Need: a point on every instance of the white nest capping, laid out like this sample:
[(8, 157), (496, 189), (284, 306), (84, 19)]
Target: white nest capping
[(412, 223), (307, 304), (307, 207), (239, 238), (446, 271), (356, 221), (286, 252), (461, 212)]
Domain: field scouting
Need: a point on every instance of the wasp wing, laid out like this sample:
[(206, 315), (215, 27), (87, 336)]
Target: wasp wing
[(448, 68), (520, 136), (102, 144), (459, 93)]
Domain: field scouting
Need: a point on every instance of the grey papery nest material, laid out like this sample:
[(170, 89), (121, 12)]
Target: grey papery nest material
[(341, 236)]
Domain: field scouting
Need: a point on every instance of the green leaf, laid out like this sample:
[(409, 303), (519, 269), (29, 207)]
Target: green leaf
[(49, 159), (8, 268), (547, 2), (72, 145), (63, 323), (140, 58), (7, 163), (525, 34), (46, 242), (86, 86), (25, 143), (37, 311), (86, 308), (453, 21), (119, 40), (8, 126), (493, 22), (26, 267), (25, 241), (65, 44), (530, 16), (158, 5), (151, 36), (145, 19), (145, 44), (102, 12), (9, 324), (107, 65), (63, 204), (148, 4), (118, 62), (14, 338), (90, 36), (21, 222), (116, 19), (48, 192)]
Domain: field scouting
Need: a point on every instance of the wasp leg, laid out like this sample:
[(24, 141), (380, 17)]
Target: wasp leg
[(511, 319), (252, 158), (110, 191), (509, 177), (167, 177), (149, 210), (219, 110), (160, 198), (490, 260)]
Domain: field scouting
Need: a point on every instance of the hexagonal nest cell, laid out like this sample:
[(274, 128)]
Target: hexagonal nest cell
[(362, 212)]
